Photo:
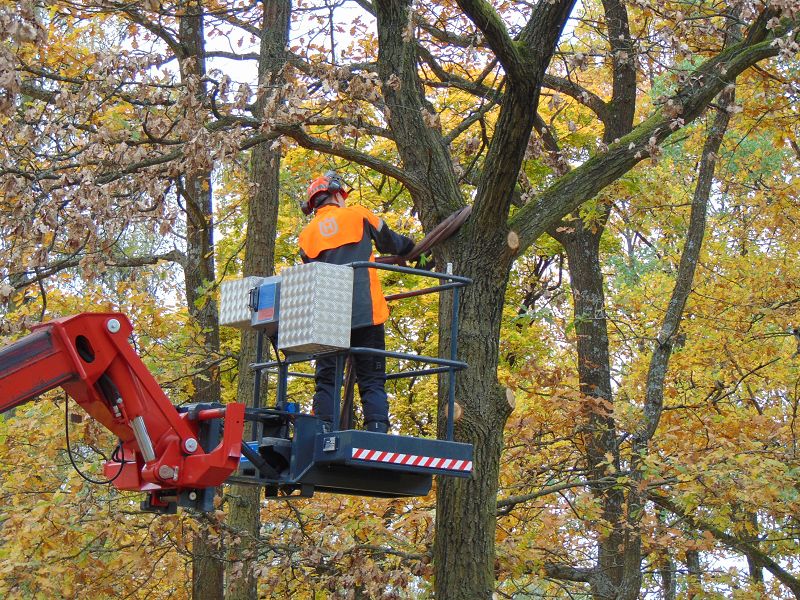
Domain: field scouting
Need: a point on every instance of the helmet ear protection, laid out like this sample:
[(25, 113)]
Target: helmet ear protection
[(329, 184), (335, 183), (307, 207)]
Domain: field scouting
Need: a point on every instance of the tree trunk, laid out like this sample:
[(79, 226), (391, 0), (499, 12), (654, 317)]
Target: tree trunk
[(262, 220), (618, 572), (582, 246), (244, 501), (207, 570), (666, 571), (753, 565), (464, 548), (466, 509), (694, 574)]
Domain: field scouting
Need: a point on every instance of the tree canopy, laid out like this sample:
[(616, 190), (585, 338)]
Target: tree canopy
[(632, 328)]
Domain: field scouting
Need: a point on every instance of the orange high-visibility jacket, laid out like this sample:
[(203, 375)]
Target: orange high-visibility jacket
[(344, 235)]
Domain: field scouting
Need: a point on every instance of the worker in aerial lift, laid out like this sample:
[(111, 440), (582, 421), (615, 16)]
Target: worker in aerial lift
[(341, 234)]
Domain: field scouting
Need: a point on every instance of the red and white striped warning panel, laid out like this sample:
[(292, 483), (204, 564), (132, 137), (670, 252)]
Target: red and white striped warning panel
[(428, 462)]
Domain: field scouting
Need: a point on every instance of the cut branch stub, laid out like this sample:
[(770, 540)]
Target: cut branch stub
[(458, 412), (511, 398), (512, 239)]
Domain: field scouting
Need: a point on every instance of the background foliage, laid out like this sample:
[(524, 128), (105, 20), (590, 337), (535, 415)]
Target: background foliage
[(101, 121)]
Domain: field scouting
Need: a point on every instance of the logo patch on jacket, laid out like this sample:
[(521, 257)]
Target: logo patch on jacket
[(328, 227)]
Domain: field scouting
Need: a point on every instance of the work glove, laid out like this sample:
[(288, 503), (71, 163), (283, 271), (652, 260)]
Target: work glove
[(425, 261)]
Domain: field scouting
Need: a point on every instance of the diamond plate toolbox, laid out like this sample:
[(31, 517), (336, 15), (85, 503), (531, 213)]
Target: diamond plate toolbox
[(315, 308), (234, 303)]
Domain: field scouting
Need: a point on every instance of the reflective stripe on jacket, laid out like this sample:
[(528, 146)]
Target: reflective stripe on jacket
[(344, 235)]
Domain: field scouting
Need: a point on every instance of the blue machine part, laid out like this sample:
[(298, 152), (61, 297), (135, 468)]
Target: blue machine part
[(358, 462), (244, 462), (264, 302), (394, 453)]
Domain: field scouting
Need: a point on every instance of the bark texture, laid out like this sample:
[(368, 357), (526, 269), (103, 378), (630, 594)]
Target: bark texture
[(198, 269), (466, 510), (581, 242), (262, 219)]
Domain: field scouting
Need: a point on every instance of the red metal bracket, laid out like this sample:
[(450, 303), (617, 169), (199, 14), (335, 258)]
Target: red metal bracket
[(89, 356)]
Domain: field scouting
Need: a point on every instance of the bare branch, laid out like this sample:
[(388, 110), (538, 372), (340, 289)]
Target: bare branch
[(589, 99), (43, 273), (298, 134), (506, 504), (732, 542)]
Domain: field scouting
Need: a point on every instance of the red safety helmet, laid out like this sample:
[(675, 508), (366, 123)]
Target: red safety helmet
[(330, 183)]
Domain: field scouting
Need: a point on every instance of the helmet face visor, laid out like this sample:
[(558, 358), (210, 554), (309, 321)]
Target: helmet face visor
[(320, 184), (330, 183)]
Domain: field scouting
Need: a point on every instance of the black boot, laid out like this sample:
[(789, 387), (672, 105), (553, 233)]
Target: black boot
[(377, 426)]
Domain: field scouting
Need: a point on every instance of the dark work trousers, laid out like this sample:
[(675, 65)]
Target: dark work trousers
[(370, 376)]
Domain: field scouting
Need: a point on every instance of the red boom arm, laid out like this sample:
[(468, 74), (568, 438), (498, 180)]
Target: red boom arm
[(89, 356)]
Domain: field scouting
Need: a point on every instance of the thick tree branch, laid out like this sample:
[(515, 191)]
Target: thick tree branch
[(518, 112), (497, 37), (167, 36), (428, 166), (475, 88), (566, 573), (584, 182), (622, 107), (656, 375), (654, 394), (579, 93), (311, 69), (543, 30), (35, 91), (232, 55), (505, 505), (241, 24), (137, 166), (299, 135), (23, 280), (468, 122)]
